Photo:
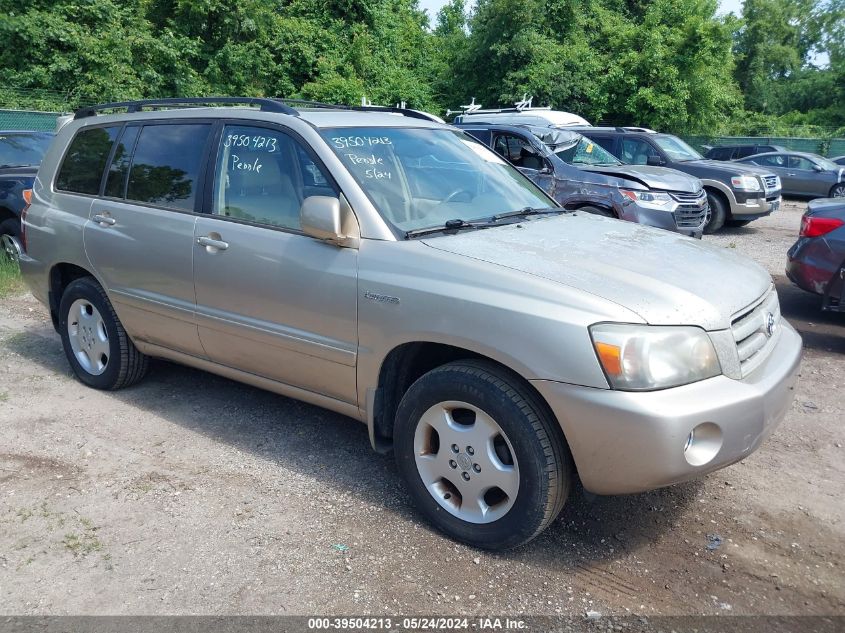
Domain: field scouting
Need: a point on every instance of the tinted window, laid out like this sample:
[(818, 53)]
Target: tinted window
[(747, 150), (636, 152), (119, 168), (605, 141), (86, 158), (264, 175), (799, 162), (166, 165), (518, 151), (23, 148)]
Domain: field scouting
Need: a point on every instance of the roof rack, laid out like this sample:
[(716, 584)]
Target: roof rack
[(266, 105), (413, 114)]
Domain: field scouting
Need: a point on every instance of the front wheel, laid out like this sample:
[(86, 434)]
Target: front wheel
[(838, 191), (480, 455), (718, 213), (738, 223), (95, 343), (607, 213), (12, 229)]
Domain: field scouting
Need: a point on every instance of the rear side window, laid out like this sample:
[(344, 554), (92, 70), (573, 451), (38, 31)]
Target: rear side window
[(166, 165), (119, 168), (85, 160)]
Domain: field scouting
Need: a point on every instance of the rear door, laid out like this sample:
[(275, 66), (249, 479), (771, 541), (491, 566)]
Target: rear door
[(777, 164), (272, 301), (140, 234)]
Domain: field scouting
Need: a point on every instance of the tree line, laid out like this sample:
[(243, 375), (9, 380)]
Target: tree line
[(669, 64)]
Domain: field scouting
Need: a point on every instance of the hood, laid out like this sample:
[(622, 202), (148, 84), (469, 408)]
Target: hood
[(664, 277), (660, 178), (25, 171), (728, 168)]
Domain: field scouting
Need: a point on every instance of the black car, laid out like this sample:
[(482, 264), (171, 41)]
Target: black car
[(20, 155), (839, 160), (733, 152)]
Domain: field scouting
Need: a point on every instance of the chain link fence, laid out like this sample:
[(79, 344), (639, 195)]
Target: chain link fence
[(821, 146), (28, 120)]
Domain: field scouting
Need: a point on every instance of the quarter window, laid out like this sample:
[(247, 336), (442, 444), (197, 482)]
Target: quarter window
[(263, 176), (85, 160), (166, 165)]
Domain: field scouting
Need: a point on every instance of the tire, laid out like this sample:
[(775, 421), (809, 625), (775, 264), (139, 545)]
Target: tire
[(99, 351), (718, 213), (9, 227), (607, 213), (738, 223), (838, 191), (523, 450)]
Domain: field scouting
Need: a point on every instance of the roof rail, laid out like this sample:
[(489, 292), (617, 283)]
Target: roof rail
[(266, 105), (413, 114)]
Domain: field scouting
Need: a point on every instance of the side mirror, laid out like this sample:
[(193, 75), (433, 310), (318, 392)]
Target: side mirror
[(817, 168), (654, 160), (320, 217)]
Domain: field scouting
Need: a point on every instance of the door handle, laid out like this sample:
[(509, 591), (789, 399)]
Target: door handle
[(209, 242), (791, 174), (104, 220)]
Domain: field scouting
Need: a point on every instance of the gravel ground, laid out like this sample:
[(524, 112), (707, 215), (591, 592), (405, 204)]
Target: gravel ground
[(191, 494)]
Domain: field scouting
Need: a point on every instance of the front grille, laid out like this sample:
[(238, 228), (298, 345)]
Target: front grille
[(755, 331), (692, 209), (770, 182)]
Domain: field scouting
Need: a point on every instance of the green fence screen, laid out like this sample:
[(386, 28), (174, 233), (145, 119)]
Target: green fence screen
[(822, 146), (28, 120)]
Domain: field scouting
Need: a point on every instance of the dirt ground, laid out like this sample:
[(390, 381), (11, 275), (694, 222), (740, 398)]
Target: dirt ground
[(191, 494)]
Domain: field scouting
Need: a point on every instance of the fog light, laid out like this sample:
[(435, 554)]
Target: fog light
[(703, 444)]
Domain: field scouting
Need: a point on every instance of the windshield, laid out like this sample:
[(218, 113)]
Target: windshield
[(586, 152), (419, 178), (676, 149), (23, 149)]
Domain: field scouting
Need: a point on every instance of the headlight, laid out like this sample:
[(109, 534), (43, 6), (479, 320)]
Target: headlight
[(745, 183), (643, 357), (653, 199)]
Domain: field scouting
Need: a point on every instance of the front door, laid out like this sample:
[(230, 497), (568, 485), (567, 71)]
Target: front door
[(527, 159), (140, 234), (272, 301)]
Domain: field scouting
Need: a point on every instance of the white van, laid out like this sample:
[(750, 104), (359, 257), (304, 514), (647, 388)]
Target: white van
[(541, 117)]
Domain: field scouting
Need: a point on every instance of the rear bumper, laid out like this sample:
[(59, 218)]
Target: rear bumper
[(625, 442), (810, 264)]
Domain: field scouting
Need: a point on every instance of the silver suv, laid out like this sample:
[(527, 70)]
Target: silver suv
[(393, 269)]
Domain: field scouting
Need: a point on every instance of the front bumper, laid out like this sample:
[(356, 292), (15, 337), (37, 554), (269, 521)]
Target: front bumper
[(661, 219), (624, 442), (747, 207)]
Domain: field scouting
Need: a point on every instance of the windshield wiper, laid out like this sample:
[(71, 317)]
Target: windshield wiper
[(527, 211), (450, 225)]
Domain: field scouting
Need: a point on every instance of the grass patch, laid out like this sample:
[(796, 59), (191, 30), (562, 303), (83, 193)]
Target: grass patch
[(10, 277)]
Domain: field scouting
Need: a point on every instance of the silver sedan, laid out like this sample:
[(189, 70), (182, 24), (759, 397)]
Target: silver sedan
[(803, 174)]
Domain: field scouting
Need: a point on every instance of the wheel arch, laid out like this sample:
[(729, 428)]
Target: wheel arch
[(721, 190), (61, 276), (406, 363)]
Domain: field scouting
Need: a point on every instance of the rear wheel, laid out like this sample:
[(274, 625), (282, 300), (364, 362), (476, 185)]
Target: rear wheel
[(838, 191), (481, 457), (10, 228), (718, 213), (95, 343)]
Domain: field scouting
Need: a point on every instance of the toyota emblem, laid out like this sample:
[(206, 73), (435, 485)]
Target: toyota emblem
[(770, 324)]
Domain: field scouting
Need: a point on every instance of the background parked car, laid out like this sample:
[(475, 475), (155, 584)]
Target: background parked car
[(803, 174), (816, 261), (736, 194), (579, 174), (839, 160), (734, 152), (20, 155)]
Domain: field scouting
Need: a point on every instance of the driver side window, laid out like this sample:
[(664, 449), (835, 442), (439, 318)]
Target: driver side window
[(636, 152), (799, 162)]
